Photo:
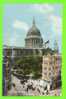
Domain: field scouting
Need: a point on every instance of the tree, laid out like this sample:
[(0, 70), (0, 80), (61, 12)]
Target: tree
[(29, 64)]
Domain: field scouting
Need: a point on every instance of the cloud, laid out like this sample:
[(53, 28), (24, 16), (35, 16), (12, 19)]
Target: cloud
[(20, 25), (13, 39), (44, 8)]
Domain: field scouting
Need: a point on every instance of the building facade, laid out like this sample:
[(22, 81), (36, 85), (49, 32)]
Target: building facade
[(51, 67)]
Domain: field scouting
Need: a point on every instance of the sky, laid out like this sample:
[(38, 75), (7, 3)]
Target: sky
[(17, 21)]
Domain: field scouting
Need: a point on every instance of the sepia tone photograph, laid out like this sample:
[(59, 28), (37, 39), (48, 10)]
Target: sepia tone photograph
[(32, 50)]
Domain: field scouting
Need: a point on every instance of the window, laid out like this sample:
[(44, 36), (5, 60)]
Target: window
[(45, 68), (49, 68), (49, 73)]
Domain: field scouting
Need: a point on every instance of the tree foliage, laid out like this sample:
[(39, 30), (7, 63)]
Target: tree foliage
[(29, 64)]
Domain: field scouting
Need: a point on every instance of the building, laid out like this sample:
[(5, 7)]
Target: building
[(51, 67), (6, 75), (33, 44)]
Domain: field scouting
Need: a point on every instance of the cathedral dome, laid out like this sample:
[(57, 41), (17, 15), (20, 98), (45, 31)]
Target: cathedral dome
[(34, 31), (33, 38)]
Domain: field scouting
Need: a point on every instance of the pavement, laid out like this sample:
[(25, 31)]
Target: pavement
[(31, 88)]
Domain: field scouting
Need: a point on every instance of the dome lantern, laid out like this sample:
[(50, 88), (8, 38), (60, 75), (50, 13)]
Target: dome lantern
[(33, 21)]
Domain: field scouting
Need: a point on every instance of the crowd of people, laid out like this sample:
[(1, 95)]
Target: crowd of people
[(29, 87)]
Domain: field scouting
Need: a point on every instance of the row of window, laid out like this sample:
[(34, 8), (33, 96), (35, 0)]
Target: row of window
[(45, 68), (47, 74)]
